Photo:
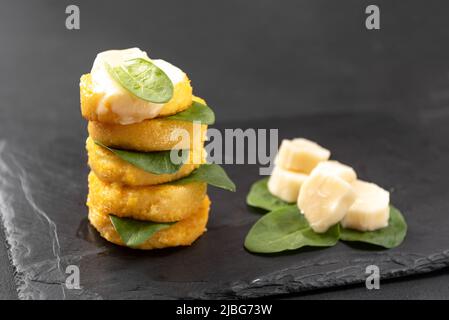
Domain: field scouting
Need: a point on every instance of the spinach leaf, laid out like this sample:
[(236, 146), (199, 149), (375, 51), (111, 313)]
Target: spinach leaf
[(157, 162), (286, 229), (196, 112), (143, 79), (135, 232), (259, 196), (388, 237), (210, 173)]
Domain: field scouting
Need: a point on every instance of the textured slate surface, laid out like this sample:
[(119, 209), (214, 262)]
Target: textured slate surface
[(317, 57), (43, 189)]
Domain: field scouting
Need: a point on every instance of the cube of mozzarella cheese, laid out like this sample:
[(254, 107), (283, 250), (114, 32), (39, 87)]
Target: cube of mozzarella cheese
[(324, 199), (371, 209), (334, 167), (300, 155), (286, 184)]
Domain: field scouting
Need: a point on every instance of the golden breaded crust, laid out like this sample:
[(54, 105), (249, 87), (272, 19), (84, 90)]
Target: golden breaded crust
[(150, 135), (181, 100), (110, 168), (182, 233), (159, 203)]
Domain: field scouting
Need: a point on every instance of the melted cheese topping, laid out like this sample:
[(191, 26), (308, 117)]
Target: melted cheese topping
[(129, 108)]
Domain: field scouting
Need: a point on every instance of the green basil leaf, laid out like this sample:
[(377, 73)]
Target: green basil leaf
[(196, 112), (388, 237), (259, 196), (135, 232), (210, 173), (287, 229), (143, 79), (157, 162)]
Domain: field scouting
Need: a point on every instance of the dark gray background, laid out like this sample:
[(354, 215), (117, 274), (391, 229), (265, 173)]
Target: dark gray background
[(250, 59)]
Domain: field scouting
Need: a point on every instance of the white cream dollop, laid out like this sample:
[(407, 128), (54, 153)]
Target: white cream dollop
[(129, 108)]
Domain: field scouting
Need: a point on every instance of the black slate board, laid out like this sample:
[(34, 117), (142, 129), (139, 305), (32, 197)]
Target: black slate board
[(43, 177)]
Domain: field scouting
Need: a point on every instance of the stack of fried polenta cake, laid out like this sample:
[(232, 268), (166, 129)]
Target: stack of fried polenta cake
[(142, 113)]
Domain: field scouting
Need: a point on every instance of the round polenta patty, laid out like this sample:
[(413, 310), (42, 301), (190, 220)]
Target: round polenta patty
[(110, 168), (90, 101), (159, 203), (182, 233), (150, 135)]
